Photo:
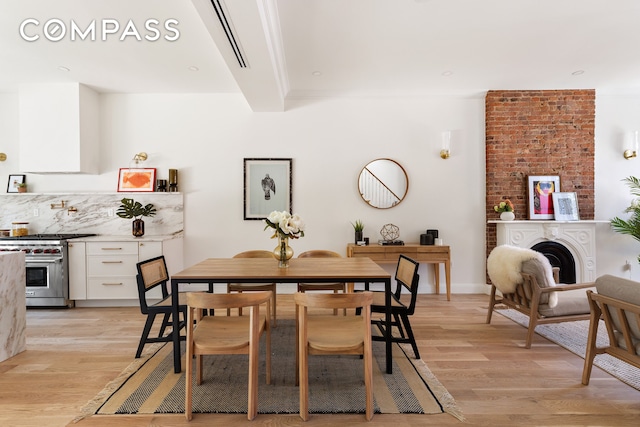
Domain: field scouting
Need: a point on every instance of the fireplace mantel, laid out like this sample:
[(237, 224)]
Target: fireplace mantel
[(579, 237)]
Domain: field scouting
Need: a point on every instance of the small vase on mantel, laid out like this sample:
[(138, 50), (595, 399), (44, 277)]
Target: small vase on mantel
[(283, 252), (507, 216)]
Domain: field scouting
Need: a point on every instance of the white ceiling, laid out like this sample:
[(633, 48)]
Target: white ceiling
[(319, 48)]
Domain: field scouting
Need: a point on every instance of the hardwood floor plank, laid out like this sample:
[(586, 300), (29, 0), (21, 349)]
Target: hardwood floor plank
[(72, 354)]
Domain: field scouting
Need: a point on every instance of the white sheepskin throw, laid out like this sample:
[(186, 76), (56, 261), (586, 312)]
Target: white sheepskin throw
[(504, 264)]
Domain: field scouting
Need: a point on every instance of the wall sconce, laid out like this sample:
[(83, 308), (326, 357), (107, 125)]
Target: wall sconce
[(445, 152), (628, 154), (139, 157), (3, 157)]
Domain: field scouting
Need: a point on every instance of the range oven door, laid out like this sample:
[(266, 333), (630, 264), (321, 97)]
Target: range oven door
[(45, 278)]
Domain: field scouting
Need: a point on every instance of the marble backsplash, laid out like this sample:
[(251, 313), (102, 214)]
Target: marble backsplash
[(96, 213)]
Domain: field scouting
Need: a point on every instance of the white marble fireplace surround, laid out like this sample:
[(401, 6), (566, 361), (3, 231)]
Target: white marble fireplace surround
[(95, 213), (579, 237)]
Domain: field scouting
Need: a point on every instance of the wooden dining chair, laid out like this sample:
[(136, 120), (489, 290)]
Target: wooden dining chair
[(251, 287), (407, 279), (227, 335), (335, 287), (152, 274), (331, 335)]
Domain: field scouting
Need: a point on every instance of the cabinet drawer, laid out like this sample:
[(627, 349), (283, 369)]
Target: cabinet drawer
[(115, 287), (112, 248), (119, 265)]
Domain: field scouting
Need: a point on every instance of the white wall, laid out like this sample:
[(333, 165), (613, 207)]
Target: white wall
[(617, 117), (206, 137)]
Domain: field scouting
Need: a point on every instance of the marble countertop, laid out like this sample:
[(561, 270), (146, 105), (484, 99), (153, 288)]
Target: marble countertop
[(129, 238)]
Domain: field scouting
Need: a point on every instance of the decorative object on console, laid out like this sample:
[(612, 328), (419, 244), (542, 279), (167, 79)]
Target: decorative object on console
[(136, 180), (565, 206), (285, 226), (132, 209), (632, 225), (629, 154), (22, 187), (14, 182), (267, 187), (540, 199), (390, 234), (358, 226)]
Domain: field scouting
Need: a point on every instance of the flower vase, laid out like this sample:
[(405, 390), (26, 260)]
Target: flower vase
[(138, 228), (507, 216), (283, 252)]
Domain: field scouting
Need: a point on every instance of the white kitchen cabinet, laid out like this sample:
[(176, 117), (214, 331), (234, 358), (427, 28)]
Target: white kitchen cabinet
[(110, 267), (77, 270)]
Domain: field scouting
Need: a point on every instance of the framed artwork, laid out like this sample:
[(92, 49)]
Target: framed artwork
[(267, 187), (540, 200), (565, 206), (14, 182), (136, 180)]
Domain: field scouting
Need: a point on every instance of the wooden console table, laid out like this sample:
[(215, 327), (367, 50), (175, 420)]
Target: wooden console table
[(428, 254)]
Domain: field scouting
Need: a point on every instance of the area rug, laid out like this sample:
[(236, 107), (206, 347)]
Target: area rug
[(573, 336), (336, 384)]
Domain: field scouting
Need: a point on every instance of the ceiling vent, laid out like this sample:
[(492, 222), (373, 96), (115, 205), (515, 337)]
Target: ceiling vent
[(228, 30)]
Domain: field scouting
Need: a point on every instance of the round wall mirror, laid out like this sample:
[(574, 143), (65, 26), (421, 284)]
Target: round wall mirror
[(383, 183)]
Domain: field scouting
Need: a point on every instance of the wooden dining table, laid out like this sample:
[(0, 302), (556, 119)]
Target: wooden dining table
[(264, 270)]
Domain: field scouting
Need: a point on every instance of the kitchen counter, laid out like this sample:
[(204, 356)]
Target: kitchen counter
[(13, 315), (129, 238)]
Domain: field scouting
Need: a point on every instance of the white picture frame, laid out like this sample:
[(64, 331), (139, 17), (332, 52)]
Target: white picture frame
[(565, 206)]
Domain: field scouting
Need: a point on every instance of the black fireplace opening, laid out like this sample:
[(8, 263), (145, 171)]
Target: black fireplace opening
[(559, 256)]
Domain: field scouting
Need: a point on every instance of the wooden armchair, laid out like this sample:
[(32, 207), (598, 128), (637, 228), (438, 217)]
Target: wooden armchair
[(617, 303), (529, 285)]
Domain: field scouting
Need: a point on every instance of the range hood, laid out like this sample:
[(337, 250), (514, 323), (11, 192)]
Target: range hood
[(59, 128)]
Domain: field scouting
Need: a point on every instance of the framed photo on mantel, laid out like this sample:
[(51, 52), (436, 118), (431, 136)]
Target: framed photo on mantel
[(565, 206), (540, 200)]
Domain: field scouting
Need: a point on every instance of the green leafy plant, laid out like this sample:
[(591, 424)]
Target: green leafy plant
[(505, 206), (132, 209), (358, 225), (632, 225)]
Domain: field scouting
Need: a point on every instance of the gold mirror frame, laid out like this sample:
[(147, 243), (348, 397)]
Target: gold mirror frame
[(383, 183)]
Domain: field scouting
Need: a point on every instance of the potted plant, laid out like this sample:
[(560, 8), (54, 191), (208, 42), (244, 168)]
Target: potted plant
[(505, 209), (632, 225), (132, 209), (22, 187), (358, 226)]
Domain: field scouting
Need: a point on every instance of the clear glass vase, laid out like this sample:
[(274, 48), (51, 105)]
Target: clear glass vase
[(283, 252)]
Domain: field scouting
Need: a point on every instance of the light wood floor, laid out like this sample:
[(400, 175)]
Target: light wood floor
[(72, 354)]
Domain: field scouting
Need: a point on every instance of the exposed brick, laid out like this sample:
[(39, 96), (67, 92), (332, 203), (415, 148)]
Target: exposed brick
[(547, 132)]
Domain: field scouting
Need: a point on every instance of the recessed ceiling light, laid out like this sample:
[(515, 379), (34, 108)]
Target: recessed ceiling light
[(63, 68), (577, 72), (316, 73), (447, 73), (194, 68)]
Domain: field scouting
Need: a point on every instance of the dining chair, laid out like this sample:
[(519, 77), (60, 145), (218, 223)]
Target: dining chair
[(319, 334), (335, 287), (250, 287), (211, 335), (407, 278), (151, 274)]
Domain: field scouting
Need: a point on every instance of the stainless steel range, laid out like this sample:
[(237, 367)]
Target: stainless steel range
[(47, 262)]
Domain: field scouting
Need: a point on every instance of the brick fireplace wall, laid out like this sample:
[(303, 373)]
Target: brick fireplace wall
[(547, 132)]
